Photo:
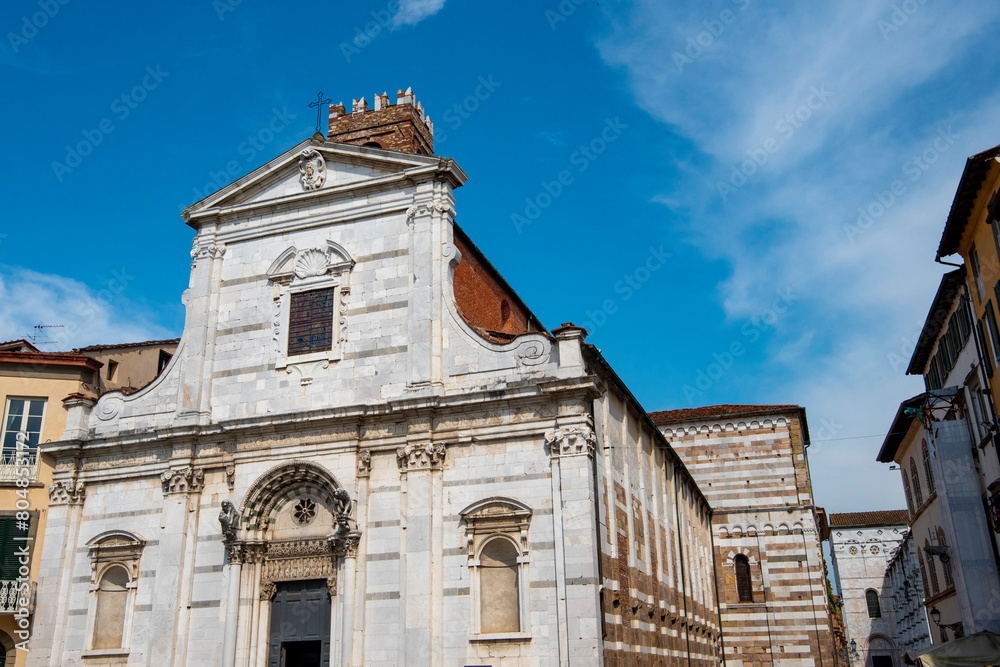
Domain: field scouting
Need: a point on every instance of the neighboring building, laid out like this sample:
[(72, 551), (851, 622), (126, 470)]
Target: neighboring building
[(129, 367), (36, 387), (945, 440), (929, 440), (750, 462), (903, 596), (862, 544), (367, 450), (972, 230)]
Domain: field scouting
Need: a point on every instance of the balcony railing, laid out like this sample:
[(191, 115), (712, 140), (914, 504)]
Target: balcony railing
[(9, 466), (9, 594)]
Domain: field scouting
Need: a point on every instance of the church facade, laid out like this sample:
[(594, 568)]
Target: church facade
[(367, 451)]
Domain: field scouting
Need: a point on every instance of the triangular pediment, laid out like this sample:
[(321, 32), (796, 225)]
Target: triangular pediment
[(316, 168)]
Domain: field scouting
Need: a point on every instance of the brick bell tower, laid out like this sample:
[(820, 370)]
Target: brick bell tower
[(400, 127)]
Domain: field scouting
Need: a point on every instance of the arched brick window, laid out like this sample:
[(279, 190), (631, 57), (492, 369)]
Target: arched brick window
[(918, 495), (871, 598), (932, 569), (744, 586), (906, 490), (928, 472)]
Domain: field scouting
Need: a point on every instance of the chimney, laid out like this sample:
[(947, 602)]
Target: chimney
[(402, 126)]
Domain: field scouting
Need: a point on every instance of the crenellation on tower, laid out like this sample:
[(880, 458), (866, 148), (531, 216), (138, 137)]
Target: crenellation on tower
[(403, 126)]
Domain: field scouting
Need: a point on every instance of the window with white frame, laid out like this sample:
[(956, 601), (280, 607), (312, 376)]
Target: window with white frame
[(114, 573), (497, 540), (311, 287), (22, 421)]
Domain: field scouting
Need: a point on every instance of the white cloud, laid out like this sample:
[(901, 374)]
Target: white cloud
[(412, 12), (859, 297), (87, 316)]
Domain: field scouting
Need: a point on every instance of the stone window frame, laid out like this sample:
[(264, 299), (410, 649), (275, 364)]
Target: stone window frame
[(114, 548), (296, 271), (498, 518)]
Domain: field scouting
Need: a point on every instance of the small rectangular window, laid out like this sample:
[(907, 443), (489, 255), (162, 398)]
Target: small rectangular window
[(164, 359), (310, 321), (991, 321), (976, 273), (112, 370), (981, 330)]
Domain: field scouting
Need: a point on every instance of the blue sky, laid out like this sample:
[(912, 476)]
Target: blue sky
[(714, 158)]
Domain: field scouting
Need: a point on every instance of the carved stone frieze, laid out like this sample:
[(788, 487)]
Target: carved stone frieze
[(571, 441), (296, 560), (125, 460), (420, 457), (182, 480), (66, 493)]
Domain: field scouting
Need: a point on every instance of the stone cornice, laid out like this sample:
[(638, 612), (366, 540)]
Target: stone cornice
[(348, 418)]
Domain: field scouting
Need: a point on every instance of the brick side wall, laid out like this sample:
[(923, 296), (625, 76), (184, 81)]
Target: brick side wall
[(756, 478), (658, 599), (483, 301)]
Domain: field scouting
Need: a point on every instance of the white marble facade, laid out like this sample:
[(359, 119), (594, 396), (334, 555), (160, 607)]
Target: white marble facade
[(861, 555), (379, 468)]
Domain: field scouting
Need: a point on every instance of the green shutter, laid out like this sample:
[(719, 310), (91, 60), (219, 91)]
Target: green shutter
[(10, 543)]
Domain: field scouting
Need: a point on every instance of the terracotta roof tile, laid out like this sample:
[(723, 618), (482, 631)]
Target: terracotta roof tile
[(876, 518), (94, 348), (709, 411)]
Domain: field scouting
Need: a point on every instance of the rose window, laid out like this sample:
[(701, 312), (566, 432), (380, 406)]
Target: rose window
[(304, 512)]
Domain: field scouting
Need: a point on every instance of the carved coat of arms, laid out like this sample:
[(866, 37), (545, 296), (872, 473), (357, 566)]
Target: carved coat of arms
[(312, 167)]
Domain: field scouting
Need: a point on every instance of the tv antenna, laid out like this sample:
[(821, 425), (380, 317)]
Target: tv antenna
[(39, 335)]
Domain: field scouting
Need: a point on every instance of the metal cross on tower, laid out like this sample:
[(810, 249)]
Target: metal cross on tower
[(319, 107)]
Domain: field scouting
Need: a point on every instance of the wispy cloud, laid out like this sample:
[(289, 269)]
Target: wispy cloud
[(86, 316), (412, 12), (805, 116)]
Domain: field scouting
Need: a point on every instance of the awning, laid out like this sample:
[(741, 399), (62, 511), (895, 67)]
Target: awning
[(978, 650)]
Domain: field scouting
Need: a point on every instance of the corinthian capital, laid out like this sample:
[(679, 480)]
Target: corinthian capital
[(571, 441)]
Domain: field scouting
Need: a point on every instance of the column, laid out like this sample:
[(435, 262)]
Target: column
[(574, 532), (174, 566), (418, 464), (58, 553), (233, 567)]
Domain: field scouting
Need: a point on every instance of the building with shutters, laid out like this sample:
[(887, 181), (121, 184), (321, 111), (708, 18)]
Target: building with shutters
[(36, 389), (880, 603), (366, 450)]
